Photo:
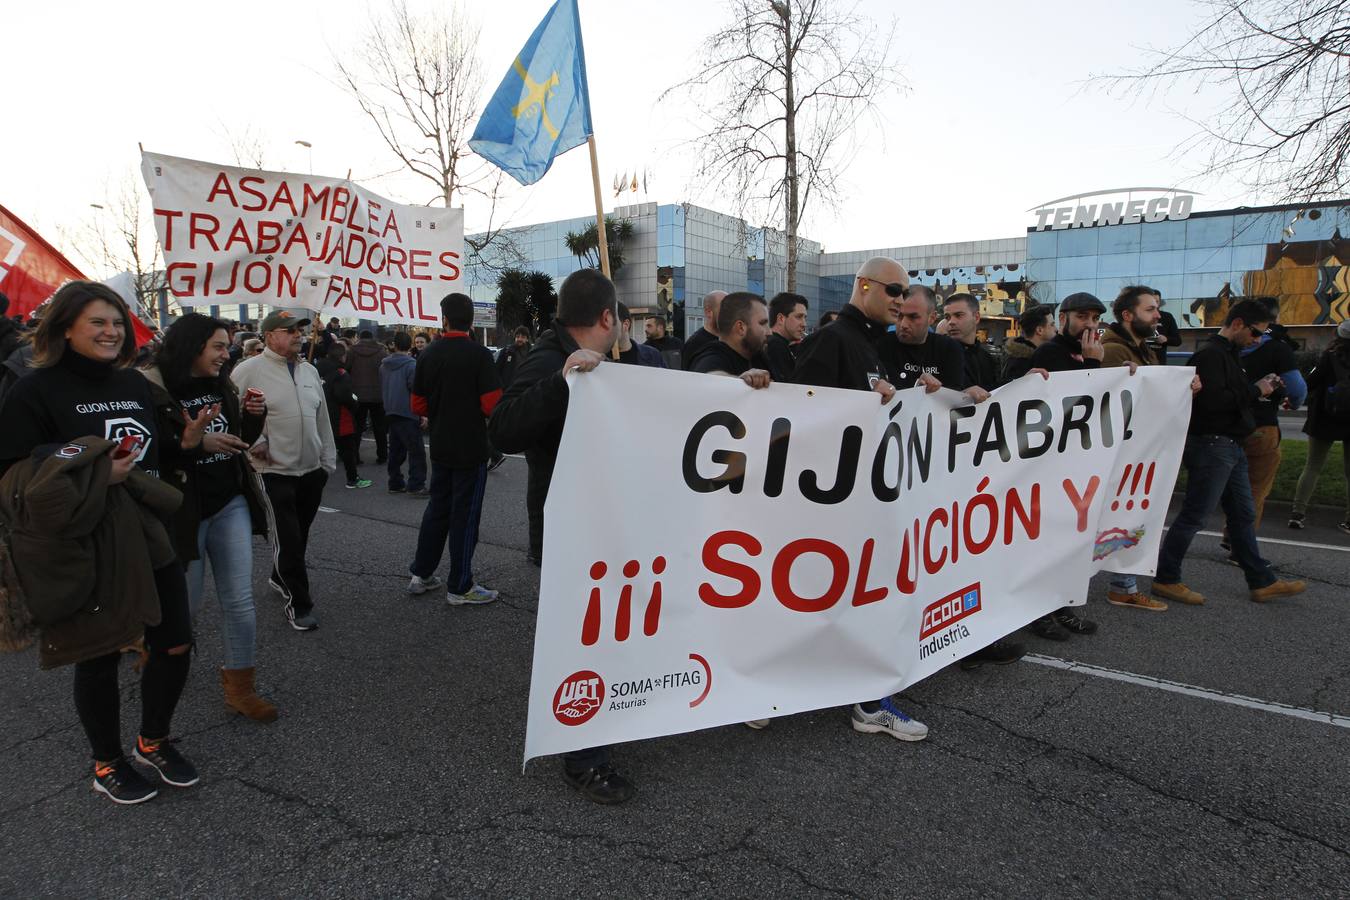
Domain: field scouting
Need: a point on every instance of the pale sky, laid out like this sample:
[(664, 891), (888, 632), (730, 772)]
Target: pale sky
[(996, 118)]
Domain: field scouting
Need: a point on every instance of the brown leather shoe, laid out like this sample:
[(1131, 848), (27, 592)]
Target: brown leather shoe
[(241, 696), (1136, 600), (1179, 593), (1278, 589)]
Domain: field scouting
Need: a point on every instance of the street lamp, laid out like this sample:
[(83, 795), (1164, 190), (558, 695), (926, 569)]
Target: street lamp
[(310, 147)]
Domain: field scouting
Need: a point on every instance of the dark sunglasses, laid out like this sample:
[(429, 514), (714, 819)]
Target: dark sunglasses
[(894, 289)]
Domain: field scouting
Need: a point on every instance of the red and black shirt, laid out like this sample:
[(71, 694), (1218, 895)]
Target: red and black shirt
[(456, 387)]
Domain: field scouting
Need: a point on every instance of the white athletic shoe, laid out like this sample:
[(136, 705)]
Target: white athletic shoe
[(474, 596), (890, 719), (758, 724), (422, 585)]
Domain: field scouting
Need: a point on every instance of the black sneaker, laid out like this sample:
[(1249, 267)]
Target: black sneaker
[(120, 781), (301, 621), (1070, 621), (165, 759), (1046, 627), (1296, 521), (1345, 526), (1226, 545), (601, 785), (398, 490), (1000, 653), (496, 462)]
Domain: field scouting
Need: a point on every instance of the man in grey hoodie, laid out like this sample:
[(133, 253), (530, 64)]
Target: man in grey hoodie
[(405, 427)]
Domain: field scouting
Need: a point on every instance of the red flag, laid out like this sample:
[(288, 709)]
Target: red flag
[(31, 270)]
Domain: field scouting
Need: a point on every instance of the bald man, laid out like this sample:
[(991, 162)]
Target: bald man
[(712, 303), (845, 356)]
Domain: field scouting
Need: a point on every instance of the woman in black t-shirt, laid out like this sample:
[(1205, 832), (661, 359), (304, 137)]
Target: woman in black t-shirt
[(223, 501), (82, 386)]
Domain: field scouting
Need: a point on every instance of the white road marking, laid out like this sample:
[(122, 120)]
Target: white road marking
[(1190, 690), (1265, 540), (328, 509)]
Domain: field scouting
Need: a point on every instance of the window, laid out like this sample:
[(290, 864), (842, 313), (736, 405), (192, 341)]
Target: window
[(1119, 238), (1042, 245), (1077, 267), (1078, 242), (1162, 236), (1118, 265), (1161, 262), (1208, 259), (1211, 231)]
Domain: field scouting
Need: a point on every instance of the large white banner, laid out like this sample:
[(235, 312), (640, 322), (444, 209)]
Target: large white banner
[(233, 235), (723, 554)]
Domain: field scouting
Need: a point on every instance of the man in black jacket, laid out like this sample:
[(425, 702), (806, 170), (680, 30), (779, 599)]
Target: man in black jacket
[(1037, 324), (1078, 345), (455, 386), (915, 355), (845, 356), (787, 323), (743, 323), (9, 332), (712, 303), (1221, 419), (530, 418), (962, 312)]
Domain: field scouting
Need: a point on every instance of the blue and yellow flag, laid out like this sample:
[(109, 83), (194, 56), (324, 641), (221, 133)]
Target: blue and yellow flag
[(543, 106)]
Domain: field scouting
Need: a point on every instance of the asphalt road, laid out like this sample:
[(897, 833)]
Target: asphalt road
[(395, 767)]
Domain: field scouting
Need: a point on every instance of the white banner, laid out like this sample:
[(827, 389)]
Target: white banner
[(234, 235), (809, 548)]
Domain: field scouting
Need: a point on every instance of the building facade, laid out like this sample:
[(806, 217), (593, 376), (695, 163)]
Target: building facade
[(1199, 261)]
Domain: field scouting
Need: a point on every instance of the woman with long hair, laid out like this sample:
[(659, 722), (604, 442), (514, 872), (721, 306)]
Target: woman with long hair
[(224, 503), (82, 387), (1328, 422)]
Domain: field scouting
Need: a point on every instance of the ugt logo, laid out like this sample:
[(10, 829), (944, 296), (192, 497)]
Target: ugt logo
[(579, 698), (623, 613)]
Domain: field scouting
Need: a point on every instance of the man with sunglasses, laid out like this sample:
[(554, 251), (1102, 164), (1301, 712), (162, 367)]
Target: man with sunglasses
[(1222, 416), (845, 356)]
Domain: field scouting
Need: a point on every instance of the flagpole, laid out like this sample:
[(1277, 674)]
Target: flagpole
[(599, 209)]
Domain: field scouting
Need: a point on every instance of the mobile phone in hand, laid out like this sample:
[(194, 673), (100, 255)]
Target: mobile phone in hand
[(129, 445)]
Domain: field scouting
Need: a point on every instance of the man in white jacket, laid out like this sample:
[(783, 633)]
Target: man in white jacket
[(295, 454)]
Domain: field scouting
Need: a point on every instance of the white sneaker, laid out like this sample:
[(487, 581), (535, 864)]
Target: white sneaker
[(758, 724), (422, 585), (474, 596), (890, 719)]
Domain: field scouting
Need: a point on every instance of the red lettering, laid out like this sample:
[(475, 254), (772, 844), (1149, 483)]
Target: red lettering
[(931, 565), (298, 236), (169, 215), (263, 271), (446, 258), (309, 198), (365, 291), (1083, 501), (782, 572), (351, 214), (239, 235), (718, 565), (338, 211), (862, 594), (246, 186), (391, 225), (397, 257), (221, 186), (389, 296), (283, 195), (371, 209), (197, 223), (423, 262), (269, 237)]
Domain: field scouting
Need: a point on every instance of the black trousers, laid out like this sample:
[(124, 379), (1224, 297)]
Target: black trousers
[(348, 451), (295, 503), (536, 492), (450, 521), (98, 702), (375, 411)]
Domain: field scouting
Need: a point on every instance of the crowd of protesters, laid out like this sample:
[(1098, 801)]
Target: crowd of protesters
[(128, 472)]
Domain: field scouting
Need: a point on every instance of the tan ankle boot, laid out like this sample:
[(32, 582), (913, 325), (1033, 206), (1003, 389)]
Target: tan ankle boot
[(241, 697)]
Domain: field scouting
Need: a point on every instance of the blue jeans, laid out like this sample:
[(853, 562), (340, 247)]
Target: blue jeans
[(405, 442), (227, 539), (1216, 469), (451, 522), (1123, 584)]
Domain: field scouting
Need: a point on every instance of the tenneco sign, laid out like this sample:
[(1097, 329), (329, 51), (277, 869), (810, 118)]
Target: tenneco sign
[(1171, 204)]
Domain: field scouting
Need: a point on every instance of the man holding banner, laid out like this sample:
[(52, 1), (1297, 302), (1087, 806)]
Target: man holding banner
[(845, 356), (530, 419)]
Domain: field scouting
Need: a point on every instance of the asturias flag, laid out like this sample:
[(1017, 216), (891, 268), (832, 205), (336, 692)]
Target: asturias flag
[(542, 108)]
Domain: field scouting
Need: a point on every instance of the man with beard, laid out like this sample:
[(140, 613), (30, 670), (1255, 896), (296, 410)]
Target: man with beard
[(1037, 325), (743, 323), (1075, 348), (916, 356), (787, 315), (1131, 340)]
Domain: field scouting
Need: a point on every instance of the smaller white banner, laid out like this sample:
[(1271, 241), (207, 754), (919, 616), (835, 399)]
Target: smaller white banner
[(233, 235)]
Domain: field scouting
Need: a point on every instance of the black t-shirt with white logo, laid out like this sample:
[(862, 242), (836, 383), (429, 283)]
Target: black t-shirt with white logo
[(77, 397), (217, 473), (720, 357), (939, 356)]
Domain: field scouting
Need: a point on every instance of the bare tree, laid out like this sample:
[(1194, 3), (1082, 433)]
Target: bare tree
[(1282, 68), (418, 79), (783, 88), (119, 236)]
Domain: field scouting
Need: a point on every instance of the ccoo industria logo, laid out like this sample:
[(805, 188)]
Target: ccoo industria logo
[(1124, 208)]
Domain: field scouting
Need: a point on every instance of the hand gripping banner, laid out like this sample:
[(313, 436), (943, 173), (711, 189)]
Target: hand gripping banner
[(797, 548), (234, 235)]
